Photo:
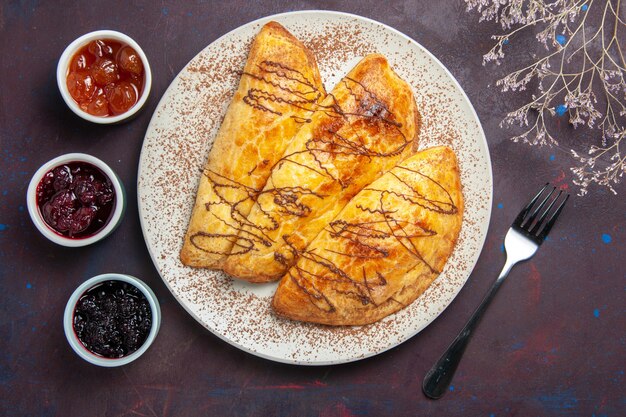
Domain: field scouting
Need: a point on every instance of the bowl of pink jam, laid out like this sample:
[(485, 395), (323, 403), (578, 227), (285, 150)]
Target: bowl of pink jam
[(75, 200)]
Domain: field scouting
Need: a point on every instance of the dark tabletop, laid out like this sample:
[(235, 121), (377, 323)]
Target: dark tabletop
[(552, 343)]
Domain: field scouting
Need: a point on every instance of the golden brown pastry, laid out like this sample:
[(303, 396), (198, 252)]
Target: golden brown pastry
[(383, 250), (279, 88), (364, 127)]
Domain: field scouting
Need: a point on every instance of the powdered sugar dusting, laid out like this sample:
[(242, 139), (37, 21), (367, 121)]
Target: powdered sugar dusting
[(180, 136)]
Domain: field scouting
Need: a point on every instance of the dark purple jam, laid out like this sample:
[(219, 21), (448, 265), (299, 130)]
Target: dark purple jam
[(76, 199), (112, 319)]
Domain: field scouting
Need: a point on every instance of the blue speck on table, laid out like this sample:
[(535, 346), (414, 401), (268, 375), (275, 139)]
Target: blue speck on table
[(606, 238), (561, 39), (552, 157), (500, 205), (559, 400), (596, 312), (561, 109), (518, 346)]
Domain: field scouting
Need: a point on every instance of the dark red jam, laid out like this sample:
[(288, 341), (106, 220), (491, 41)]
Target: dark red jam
[(76, 199), (112, 319)]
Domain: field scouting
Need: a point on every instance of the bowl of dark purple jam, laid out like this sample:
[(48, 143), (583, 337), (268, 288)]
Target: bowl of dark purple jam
[(75, 200), (111, 319)]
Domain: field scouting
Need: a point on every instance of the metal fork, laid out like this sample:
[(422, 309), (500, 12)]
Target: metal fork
[(522, 240)]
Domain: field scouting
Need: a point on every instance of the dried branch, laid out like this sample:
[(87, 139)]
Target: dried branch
[(581, 75)]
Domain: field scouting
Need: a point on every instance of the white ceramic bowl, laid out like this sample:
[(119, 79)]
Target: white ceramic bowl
[(63, 66), (80, 349), (47, 231)]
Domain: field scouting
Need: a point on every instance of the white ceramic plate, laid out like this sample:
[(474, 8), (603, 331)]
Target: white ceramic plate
[(179, 138)]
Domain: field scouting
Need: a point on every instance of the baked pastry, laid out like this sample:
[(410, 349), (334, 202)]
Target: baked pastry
[(363, 128), (383, 250), (278, 91)]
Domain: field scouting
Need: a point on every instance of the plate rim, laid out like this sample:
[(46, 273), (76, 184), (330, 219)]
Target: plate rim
[(484, 226)]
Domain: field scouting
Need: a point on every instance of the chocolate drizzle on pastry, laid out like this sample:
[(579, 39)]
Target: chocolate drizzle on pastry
[(293, 87)]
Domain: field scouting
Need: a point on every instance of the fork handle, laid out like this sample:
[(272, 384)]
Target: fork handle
[(438, 379)]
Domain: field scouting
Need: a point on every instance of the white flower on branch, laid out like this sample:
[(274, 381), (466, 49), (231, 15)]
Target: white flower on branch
[(614, 82)]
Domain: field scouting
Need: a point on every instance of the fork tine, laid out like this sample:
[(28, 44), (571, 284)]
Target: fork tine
[(531, 218), (552, 219), (520, 217), (537, 225)]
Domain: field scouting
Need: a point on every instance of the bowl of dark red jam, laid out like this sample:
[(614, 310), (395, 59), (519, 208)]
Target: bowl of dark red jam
[(111, 319), (75, 200), (104, 77)]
